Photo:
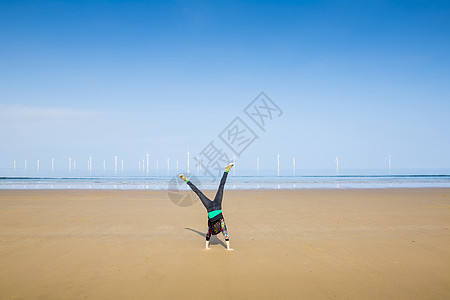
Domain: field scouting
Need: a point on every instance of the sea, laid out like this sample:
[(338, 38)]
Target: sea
[(237, 179)]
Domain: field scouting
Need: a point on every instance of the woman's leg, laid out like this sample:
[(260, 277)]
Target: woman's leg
[(206, 202), (219, 194)]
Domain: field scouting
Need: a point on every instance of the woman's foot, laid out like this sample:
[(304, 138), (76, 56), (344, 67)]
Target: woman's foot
[(228, 168), (183, 177)]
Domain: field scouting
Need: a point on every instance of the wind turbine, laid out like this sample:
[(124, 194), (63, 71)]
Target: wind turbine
[(177, 164), (157, 165), (293, 163), (53, 164), (70, 164), (115, 163), (122, 165), (198, 165), (37, 165), (14, 166), (234, 162), (257, 165), (147, 162), (337, 164), (168, 164), (389, 160), (188, 160), (90, 164), (278, 164), (25, 164), (104, 165)]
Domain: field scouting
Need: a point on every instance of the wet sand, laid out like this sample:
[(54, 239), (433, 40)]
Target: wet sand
[(289, 244)]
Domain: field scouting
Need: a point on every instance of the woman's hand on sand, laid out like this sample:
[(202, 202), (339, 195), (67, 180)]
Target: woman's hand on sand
[(207, 246), (228, 246)]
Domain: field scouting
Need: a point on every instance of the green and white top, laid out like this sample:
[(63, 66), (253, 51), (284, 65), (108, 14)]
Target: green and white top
[(214, 213)]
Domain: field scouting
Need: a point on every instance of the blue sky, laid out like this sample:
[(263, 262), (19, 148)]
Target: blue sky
[(354, 79)]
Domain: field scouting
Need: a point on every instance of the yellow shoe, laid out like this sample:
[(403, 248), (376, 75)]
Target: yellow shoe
[(228, 168), (183, 177)]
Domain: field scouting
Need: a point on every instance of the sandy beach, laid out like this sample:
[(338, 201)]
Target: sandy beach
[(289, 244)]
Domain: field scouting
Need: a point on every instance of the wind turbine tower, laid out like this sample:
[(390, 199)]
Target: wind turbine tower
[(70, 164), (257, 165), (90, 164), (293, 163), (188, 161), (337, 164), (53, 164), (25, 164), (177, 164), (115, 163), (37, 165), (168, 164), (14, 166), (278, 164), (147, 162), (198, 165), (234, 162), (122, 165), (104, 165), (389, 160)]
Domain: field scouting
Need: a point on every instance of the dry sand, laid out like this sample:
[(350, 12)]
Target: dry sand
[(98, 244)]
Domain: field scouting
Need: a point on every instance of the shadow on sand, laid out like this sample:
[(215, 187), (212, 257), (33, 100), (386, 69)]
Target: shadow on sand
[(213, 241)]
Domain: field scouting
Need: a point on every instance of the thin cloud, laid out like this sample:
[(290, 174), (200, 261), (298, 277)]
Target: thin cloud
[(25, 111)]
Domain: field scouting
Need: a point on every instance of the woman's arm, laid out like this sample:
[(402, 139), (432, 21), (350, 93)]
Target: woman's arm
[(225, 234), (208, 236), (228, 246)]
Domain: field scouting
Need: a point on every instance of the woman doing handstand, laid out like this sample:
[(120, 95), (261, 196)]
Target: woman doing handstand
[(216, 222)]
